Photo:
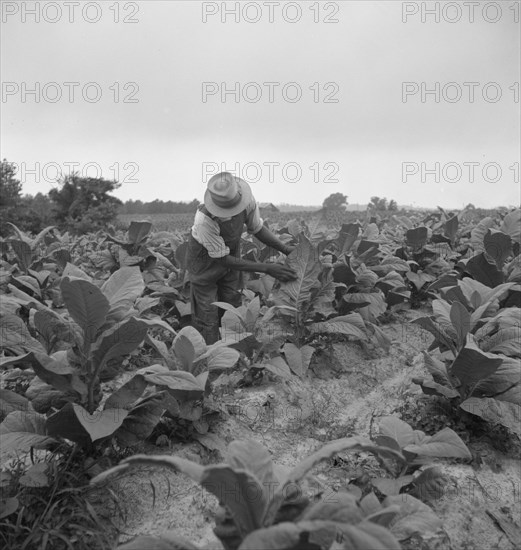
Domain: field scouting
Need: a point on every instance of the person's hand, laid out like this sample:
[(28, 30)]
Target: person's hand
[(281, 272)]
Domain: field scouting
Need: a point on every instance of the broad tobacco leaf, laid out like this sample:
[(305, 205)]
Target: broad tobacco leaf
[(321, 534), (505, 341), (273, 334), (498, 246), (238, 489), (138, 232), (344, 324), (250, 455), (119, 340), (485, 294), (495, 411), (390, 264), (429, 484), (446, 443), (343, 508), (511, 225), (388, 486), (188, 346), (304, 261), (391, 280), (322, 298), (375, 300), (450, 228), (221, 357), (262, 285), (417, 238), (56, 373), (73, 422), (122, 289), (232, 328), (29, 284), (22, 430), (277, 366), (11, 401), (472, 365), (343, 273), (86, 304), (437, 330), (182, 385), (326, 452), (504, 384), (365, 278), (434, 388), (400, 431), (415, 517), (347, 237), (8, 506), (437, 369), (252, 312), (16, 337), (298, 358), (420, 279), (184, 351), (478, 233), (23, 253), (53, 328), (36, 476), (483, 271), (74, 272), (43, 396), (127, 394), (142, 419), (460, 319)]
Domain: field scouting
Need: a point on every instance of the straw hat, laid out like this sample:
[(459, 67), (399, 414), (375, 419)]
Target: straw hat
[(227, 195)]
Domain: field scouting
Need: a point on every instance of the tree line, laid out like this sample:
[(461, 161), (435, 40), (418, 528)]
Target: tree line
[(159, 207), (337, 201), (81, 204), (77, 204)]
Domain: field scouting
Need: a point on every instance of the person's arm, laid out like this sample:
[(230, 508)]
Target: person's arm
[(280, 272), (269, 239)]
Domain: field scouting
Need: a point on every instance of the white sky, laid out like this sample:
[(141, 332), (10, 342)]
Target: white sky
[(170, 133)]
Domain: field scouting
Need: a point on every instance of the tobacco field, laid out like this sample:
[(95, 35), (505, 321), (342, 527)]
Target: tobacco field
[(374, 402)]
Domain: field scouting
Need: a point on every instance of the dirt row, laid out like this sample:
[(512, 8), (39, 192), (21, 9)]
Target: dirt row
[(349, 388)]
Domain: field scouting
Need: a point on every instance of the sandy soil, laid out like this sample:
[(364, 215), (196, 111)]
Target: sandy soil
[(346, 392)]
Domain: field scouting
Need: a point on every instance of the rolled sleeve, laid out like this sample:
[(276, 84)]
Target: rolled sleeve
[(206, 232), (254, 221)]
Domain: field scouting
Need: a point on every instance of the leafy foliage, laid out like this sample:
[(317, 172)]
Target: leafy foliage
[(84, 204), (417, 448), (263, 521)]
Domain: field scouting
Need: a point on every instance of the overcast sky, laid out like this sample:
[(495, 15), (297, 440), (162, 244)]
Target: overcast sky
[(357, 128)]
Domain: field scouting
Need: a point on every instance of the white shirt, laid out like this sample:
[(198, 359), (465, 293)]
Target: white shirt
[(206, 230)]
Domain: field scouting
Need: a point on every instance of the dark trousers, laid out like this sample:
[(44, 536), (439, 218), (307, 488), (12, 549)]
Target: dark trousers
[(205, 316)]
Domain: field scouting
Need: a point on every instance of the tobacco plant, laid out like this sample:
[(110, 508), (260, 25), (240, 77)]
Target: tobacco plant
[(100, 329), (418, 449), (308, 301), (260, 509)]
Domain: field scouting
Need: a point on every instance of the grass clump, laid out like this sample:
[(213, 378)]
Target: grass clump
[(47, 504)]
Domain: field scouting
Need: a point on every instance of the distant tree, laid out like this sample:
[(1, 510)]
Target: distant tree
[(159, 207), (381, 204), (36, 213), (378, 203), (335, 201), (10, 196), (84, 204)]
